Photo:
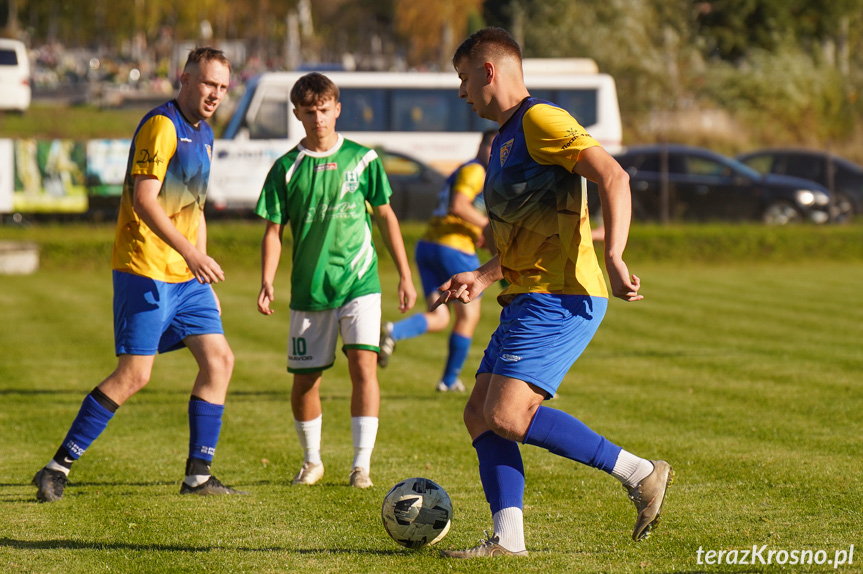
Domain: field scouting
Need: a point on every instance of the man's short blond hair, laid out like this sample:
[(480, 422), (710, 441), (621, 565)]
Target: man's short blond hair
[(205, 54), (491, 42)]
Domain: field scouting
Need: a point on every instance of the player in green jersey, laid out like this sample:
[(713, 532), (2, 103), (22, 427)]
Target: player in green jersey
[(320, 188)]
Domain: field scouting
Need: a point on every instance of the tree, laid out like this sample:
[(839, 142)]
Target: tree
[(431, 36)]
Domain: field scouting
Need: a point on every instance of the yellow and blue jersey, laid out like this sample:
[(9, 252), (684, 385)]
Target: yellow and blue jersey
[(537, 210), (446, 228), (178, 154)]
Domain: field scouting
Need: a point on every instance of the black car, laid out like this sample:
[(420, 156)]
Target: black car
[(703, 185), (842, 177), (415, 185)]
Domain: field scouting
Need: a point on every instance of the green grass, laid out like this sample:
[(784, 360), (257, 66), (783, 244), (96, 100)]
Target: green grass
[(48, 121), (744, 374)]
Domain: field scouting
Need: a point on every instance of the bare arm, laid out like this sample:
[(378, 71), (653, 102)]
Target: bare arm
[(462, 206), (391, 232), (271, 252), (146, 205), (596, 165)]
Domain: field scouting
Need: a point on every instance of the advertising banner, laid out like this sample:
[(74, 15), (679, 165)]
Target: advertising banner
[(6, 178), (49, 176)]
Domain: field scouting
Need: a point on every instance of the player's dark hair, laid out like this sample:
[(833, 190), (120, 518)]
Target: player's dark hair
[(491, 41), (206, 54), (313, 88)]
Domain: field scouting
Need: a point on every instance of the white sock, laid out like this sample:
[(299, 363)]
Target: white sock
[(309, 433), (509, 528), (630, 469), (54, 465), (196, 479), (365, 431)]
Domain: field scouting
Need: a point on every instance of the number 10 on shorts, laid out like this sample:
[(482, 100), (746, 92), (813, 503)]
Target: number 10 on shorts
[(298, 346)]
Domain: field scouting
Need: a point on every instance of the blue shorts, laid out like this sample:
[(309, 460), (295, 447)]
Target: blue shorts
[(540, 336), (153, 316), (437, 263)]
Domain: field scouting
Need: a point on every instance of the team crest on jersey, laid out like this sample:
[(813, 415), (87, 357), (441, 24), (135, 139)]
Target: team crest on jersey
[(505, 150), (326, 167), (352, 181), (209, 152)]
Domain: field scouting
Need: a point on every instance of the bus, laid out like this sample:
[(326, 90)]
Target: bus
[(414, 113)]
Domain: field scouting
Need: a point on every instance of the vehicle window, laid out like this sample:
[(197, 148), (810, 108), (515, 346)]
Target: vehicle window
[(760, 163), (407, 110), (805, 166), (580, 103), (427, 111), (646, 163), (8, 58), (399, 166), (271, 120), (363, 110), (696, 165)]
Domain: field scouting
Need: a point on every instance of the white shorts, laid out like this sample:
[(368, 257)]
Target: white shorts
[(313, 334)]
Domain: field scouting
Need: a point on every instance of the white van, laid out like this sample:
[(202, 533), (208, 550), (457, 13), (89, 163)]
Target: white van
[(415, 113), (14, 76)]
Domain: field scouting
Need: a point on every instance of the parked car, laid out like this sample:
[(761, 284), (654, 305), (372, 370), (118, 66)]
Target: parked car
[(704, 185), (14, 76), (842, 177), (415, 185)]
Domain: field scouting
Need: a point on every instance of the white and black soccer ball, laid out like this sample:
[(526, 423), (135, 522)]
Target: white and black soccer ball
[(417, 512)]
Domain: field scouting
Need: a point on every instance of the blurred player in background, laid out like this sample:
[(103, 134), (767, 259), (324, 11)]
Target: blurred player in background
[(449, 247), (556, 296), (163, 298), (320, 188)]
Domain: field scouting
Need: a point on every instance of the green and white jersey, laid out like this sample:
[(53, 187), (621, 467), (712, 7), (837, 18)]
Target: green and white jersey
[(323, 196)]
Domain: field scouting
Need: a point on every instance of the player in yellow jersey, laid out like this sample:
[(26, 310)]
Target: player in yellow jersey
[(556, 295), (448, 247), (163, 295)]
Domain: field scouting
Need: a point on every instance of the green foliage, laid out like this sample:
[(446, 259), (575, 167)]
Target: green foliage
[(773, 87), (746, 376)]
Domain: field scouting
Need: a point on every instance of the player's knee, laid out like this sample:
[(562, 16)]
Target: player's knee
[(221, 364), (438, 320), (471, 415), (508, 424), (134, 381), (226, 360)]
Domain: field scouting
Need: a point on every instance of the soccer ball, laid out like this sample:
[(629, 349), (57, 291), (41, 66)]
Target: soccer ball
[(417, 512)]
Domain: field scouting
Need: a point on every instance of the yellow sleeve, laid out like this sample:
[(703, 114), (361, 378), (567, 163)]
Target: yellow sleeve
[(554, 137), (469, 180), (155, 145)]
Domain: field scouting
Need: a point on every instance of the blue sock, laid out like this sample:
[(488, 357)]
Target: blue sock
[(459, 346), (565, 435), (500, 470), (88, 425), (205, 422), (413, 326)]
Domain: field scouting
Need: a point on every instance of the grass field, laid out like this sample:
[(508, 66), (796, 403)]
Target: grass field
[(745, 375)]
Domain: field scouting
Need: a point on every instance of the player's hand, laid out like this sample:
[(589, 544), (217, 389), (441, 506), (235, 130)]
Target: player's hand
[(407, 295), (265, 297), (461, 287), (204, 268), (623, 285)]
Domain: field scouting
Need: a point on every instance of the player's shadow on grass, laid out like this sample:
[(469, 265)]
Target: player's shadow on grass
[(82, 545)]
